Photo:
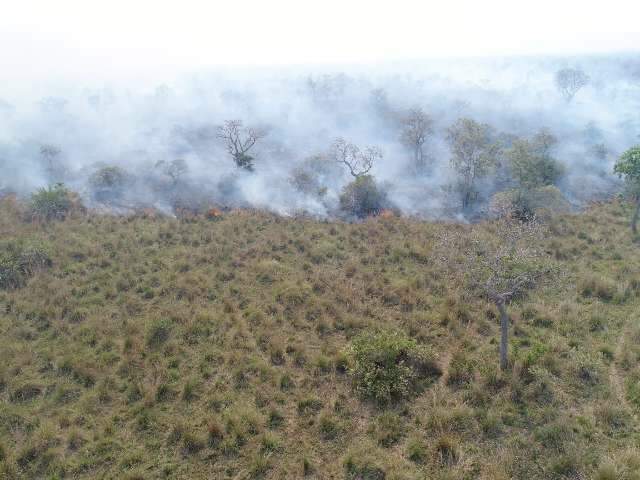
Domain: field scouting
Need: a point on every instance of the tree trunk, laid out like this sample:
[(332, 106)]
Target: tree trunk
[(504, 334), (634, 220)]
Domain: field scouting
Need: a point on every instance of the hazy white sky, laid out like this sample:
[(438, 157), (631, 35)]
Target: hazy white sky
[(58, 38)]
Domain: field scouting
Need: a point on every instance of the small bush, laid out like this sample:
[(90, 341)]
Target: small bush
[(389, 366), (52, 203), (363, 197)]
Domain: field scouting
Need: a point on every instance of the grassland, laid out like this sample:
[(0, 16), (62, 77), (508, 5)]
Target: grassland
[(152, 347)]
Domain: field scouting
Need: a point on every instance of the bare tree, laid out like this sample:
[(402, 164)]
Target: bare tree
[(569, 81), (474, 152), (239, 141), (358, 162), (173, 169), (501, 266), (416, 127)]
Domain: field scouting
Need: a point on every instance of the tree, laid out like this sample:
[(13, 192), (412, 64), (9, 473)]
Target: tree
[(108, 182), (358, 162), (173, 169), (628, 167), (501, 266), (569, 81), (474, 153), (363, 197), (531, 163), (416, 127), (312, 176), (239, 141), (49, 154)]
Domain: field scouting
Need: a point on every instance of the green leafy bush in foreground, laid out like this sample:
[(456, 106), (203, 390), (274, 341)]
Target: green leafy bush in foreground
[(52, 203), (390, 366)]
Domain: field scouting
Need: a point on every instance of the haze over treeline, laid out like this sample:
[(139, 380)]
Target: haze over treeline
[(289, 140)]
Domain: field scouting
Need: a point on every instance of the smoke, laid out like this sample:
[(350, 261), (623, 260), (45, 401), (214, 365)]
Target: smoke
[(135, 126)]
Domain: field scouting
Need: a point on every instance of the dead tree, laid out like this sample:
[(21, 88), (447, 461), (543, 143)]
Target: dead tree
[(358, 162), (239, 141)]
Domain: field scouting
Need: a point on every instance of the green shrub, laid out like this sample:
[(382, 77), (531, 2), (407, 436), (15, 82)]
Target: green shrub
[(363, 197), (51, 203), (389, 366)]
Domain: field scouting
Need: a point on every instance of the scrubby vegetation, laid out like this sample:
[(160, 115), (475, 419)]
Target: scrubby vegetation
[(257, 346), (52, 203)]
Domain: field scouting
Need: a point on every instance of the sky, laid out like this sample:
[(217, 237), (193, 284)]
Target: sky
[(97, 39)]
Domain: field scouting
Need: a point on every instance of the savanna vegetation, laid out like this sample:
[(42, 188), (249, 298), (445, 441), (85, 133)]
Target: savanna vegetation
[(244, 345)]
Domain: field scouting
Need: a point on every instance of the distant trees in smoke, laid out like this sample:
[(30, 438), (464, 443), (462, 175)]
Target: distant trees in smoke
[(432, 149), (570, 81), (417, 126), (474, 152), (108, 183), (173, 169), (50, 154)]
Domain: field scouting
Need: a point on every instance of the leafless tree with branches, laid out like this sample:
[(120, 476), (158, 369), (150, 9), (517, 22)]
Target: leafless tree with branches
[(358, 162), (239, 140)]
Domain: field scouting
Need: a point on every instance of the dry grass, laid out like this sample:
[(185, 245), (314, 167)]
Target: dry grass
[(219, 348)]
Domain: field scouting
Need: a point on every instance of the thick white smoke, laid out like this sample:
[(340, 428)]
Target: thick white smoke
[(136, 126)]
